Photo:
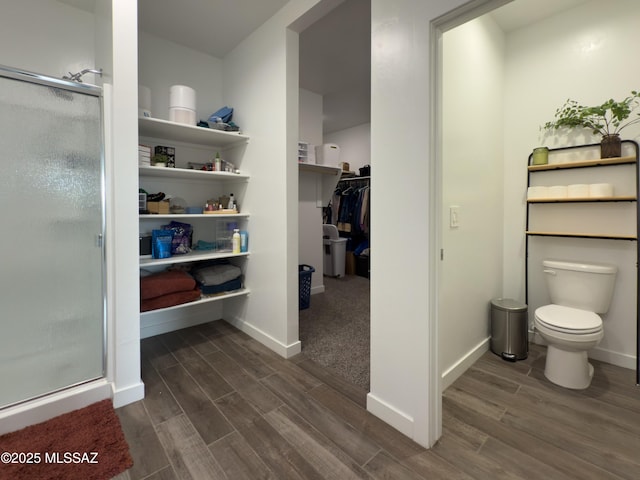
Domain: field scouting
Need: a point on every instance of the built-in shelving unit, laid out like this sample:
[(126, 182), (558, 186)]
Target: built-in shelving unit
[(196, 186)]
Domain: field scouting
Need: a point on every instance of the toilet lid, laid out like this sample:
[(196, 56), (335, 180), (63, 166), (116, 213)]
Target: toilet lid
[(568, 319)]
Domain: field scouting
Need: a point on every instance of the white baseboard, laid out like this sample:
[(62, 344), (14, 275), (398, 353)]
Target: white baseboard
[(286, 351), (127, 395), (45, 408), (317, 289), (461, 366), (391, 415)]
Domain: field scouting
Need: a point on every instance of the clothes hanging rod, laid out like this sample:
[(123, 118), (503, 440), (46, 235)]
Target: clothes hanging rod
[(350, 179)]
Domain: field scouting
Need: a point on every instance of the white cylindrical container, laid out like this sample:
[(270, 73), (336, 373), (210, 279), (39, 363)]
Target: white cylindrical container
[(182, 115), (235, 241), (182, 104), (558, 191), (182, 96), (600, 190), (578, 190), (144, 101), (538, 192)]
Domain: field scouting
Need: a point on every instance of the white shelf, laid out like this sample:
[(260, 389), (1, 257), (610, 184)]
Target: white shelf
[(203, 299), (152, 216), (322, 169), (195, 256), (189, 174), (179, 132)]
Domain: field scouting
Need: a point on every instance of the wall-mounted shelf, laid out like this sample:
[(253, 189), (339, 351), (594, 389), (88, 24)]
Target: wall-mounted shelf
[(203, 299), (179, 132), (190, 174), (194, 256), (598, 162), (625, 198), (321, 169), (615, 221), (583, 235)]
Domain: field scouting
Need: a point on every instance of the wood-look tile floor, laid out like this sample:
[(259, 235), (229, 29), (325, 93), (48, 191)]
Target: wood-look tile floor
[(219, 405)]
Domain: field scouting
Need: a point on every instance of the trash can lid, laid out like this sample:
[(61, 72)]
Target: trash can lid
[(508, 304)]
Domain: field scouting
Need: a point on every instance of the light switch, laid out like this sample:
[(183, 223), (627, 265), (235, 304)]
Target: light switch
[(454, 216)]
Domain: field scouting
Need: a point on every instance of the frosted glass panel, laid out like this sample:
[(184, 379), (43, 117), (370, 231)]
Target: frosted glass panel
[(51, 279)]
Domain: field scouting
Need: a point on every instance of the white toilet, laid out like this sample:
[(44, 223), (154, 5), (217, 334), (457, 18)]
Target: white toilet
[(571, 324)]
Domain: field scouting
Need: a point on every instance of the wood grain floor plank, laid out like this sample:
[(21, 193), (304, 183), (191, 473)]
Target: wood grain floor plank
[(246, 385), (164, 474), (480, 404), (433, 467), (238, 460), (387, 437), (158, 400), (561, 460), (384, 467), (189, 456), (201, 411), (353, 392), (198, 341), (209, 380), (472, 463), (278, 454), (144, 445), (239, 412), (247, 360), (178, 346), (354, 442), (155, 351), (320, 452)]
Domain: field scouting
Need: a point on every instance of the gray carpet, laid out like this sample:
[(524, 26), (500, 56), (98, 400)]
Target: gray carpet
[(334, 330)]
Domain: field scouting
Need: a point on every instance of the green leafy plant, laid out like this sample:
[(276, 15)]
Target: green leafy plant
[(606, 119)]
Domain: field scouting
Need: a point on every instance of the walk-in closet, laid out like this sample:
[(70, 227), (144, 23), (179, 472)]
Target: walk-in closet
[(334, 205)]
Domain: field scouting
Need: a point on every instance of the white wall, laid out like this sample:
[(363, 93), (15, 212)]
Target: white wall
[(355, 145), (56, 40), (472, 179), (582, 54), (310, 249), (163, 63), (404, 373), (268, 110)]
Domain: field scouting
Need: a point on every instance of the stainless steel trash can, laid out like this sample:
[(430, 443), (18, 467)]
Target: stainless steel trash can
[(509, 336)]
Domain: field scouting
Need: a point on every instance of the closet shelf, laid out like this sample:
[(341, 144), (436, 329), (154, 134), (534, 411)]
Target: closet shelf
[(322, 169), (190, 174), (582, 235), (584, 163), (204, 299), (179, 132), (153, 216), (194, 256), (630, 198)]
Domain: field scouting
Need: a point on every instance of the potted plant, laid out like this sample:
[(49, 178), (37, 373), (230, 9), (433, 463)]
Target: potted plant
[(606, 120)]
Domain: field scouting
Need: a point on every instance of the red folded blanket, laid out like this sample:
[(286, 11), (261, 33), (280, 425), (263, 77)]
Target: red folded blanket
[(169, 300), (163, 283)]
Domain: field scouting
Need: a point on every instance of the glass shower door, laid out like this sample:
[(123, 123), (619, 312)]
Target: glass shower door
[(52, 306)]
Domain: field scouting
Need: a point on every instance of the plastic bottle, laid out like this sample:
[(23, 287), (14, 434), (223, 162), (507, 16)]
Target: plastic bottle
[(232, 202), (235, 240), (218, 163)]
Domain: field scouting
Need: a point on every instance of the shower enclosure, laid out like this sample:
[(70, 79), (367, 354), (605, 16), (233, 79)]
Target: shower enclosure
[(52, 301)]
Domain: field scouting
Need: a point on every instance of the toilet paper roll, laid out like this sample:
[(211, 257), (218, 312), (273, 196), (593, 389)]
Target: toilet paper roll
[(558, 191), (598, 190), (182, 115), (182, 96), (578, 190), (537, 192)]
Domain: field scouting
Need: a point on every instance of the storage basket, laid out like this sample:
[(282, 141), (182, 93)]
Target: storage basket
[(304, 272)]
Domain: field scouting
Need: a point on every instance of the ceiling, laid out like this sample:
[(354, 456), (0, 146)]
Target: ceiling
[(335, 58)]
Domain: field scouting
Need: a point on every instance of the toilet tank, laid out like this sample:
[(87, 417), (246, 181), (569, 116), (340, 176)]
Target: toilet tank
[(588, 286)]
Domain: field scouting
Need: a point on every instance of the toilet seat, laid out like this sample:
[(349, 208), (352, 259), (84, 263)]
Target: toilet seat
[(568, 320)]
